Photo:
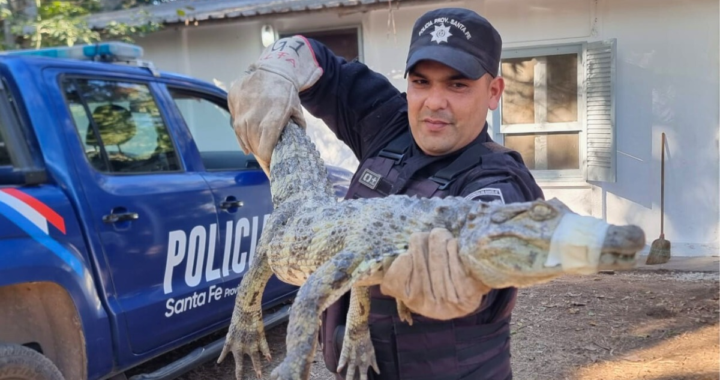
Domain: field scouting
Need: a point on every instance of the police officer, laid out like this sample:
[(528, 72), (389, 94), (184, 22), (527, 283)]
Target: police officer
[(430, 142)]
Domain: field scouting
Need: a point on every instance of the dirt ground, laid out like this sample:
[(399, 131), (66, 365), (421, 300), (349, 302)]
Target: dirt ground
[(631, 325)]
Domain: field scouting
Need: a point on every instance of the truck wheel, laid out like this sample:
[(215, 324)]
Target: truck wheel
[(21, 363)]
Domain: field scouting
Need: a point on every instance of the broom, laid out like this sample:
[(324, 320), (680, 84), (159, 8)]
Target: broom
[(660, 248)]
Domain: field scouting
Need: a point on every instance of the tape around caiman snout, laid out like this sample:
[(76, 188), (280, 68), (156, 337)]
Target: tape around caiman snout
[(576, 244)]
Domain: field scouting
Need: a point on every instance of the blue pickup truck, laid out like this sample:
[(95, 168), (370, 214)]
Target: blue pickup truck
[(128, 215)]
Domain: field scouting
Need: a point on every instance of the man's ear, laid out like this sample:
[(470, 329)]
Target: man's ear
[(497, 86)]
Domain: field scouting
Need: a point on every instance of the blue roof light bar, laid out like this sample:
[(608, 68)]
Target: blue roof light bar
[(104, 52)]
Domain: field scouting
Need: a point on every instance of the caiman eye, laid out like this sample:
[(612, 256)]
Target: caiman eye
[(541, 212), (504, 214)]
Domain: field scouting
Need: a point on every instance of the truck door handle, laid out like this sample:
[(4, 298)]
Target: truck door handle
[(120, 217), (231, 204)]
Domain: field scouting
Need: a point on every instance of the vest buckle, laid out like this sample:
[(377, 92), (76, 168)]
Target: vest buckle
[(444, 183), (397, 157)]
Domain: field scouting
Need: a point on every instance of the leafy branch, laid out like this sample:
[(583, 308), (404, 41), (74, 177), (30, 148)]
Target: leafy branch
[(64, 23)]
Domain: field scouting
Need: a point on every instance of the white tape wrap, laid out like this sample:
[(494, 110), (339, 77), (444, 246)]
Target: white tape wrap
[(576, 244)]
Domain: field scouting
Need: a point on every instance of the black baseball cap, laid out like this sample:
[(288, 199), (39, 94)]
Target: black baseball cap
[(456, 37)]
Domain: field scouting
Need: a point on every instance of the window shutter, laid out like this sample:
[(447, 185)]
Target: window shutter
[(599, 60)]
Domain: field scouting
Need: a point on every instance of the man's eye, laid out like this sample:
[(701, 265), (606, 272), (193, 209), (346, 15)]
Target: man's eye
[(419, 81), (458, 85)]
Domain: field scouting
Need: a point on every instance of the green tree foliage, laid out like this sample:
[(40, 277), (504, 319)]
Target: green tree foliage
[(42, 23)]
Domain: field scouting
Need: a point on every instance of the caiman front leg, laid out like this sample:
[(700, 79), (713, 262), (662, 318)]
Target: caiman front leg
[(247, 331), (357, 349), (325, 286)]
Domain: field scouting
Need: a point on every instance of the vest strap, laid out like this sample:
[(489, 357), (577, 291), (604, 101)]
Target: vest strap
[(469, 158), (386, 306), (398, 147)]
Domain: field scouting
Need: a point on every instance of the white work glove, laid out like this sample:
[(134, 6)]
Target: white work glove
[(263, 101), (430, 278)]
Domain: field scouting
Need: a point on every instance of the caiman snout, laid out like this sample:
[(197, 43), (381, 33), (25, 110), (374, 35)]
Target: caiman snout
[(621, 245), (624, 239), (584, 244)]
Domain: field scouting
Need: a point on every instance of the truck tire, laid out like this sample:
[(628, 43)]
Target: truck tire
[(21, 363)]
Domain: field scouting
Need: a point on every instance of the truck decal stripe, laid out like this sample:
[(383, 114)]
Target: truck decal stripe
[(41, 237), (53, 217), (24, 210)]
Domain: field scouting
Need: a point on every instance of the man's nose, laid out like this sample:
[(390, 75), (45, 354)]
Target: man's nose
[(436, 100)]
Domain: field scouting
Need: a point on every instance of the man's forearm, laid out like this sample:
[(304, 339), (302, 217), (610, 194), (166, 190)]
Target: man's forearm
[(344, 95)]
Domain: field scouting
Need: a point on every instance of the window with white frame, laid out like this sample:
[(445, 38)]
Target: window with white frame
[(557, 110)]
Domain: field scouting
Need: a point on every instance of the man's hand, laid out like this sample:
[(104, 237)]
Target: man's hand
[(262, 104), (430, 279), (265, 100)]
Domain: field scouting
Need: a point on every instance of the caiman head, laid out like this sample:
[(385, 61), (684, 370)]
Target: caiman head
[(523, 244)]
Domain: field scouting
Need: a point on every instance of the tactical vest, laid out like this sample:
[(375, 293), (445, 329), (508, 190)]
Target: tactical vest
[(473, 347), (379, 176)]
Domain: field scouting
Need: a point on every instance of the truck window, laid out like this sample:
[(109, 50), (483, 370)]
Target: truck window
[(120, 126), (4, 154), (211, 128), (4, 149)]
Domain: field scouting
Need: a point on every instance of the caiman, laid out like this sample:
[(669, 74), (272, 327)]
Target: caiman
[(329, 247)]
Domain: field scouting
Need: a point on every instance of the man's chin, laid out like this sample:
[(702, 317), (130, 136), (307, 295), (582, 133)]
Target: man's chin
[(435, 148)]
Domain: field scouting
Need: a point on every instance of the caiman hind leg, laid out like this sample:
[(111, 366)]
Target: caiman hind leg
[(357, 350), (246, 334), (325, 286)]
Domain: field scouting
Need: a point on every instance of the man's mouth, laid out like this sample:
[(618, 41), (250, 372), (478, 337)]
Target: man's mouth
[(435, 124)]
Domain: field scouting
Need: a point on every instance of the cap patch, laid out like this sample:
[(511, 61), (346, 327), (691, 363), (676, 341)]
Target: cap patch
[(442, 32)]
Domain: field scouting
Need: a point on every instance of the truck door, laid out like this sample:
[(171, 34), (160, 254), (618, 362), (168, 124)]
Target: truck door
[(154, 215), (241, 189)]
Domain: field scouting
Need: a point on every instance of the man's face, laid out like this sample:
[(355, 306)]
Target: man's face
[(447, 111)]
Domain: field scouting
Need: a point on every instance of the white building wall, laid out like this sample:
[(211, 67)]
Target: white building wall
[(212, 52), (667, 81)]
